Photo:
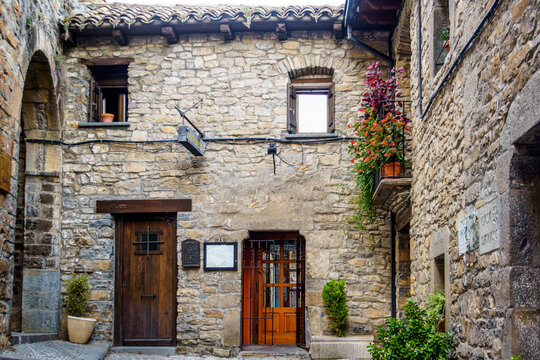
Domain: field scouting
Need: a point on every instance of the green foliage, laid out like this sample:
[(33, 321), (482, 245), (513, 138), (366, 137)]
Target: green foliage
[(435, 306), (445, 34), (413, 338), (515, 357), (380, 132), (78, 291), (335, 299), (59, 58)]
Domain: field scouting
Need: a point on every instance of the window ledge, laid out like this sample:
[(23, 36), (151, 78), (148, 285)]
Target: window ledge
[(310, 136), (103, 125)]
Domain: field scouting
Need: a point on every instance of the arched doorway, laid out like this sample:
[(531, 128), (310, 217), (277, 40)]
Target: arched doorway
[(36, 284)]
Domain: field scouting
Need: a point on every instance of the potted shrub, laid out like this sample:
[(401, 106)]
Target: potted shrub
[(78, 291), (445, 38), (380, 131), (335, 299)]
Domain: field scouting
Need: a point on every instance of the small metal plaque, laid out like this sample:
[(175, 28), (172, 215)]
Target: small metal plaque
[(5, 171), (191, 253)]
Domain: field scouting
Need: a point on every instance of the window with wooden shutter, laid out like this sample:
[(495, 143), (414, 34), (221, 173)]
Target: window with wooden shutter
[(108, 90), (311, 106)]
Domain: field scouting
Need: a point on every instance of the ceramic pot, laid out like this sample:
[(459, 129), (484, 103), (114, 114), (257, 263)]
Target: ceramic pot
[(107, 117), (392, 169), (80, 329)]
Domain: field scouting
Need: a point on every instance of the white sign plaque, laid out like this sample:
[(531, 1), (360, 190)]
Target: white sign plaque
[(488, 221), (468, 233), (220, 256)]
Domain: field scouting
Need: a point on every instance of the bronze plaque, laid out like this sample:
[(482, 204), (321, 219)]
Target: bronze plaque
[(191, 253), (5, 171)]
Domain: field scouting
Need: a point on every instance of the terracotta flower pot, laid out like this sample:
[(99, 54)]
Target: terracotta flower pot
[(447, 46), (392, 169), (80, 329), (107, 117)]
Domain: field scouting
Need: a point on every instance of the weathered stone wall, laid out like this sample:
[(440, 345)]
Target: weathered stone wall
[(28, 32), (461, 167), (243, 84)]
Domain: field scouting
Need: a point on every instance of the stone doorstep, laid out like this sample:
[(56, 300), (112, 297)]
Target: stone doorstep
[(147, 350), (331, 347), (272, 352), (29, 338)]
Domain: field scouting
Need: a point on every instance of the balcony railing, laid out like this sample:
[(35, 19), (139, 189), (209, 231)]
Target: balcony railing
[(397, 170)]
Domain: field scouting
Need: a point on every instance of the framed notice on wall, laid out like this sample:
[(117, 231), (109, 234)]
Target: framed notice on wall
[(220, 256)]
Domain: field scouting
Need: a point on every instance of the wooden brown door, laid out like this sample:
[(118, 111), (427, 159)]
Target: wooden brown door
[(146, 280), (272, 283)]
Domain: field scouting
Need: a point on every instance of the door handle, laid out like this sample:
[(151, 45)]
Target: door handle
[(148, 296)]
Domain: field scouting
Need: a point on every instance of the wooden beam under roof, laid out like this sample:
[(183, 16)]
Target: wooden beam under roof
[(169, 34), (120, 37)]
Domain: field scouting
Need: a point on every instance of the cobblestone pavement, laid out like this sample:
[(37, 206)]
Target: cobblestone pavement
[(129, 356)]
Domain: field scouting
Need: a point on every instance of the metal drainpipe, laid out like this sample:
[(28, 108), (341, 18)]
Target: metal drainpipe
[(393, 262), (419, 8), (368, 48)]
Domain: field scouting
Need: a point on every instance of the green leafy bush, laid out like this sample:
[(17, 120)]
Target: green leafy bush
[(413, 338), (335, 299), (516, 357), (435, 306), (78, 291)]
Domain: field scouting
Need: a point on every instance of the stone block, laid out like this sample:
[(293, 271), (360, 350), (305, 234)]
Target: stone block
[(30, 300), (231, 328), (38, 280), (50, 300), (329, 347), (44, 321)]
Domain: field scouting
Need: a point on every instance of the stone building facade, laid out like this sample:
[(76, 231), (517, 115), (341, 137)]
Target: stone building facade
[(63, 164), (474, 228), (70, 179)]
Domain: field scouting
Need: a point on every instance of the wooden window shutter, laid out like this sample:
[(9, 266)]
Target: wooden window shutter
[(292, 123), (94, 108), (331, 109)]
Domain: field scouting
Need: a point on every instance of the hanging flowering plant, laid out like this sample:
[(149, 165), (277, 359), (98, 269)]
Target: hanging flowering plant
[(380, 132)]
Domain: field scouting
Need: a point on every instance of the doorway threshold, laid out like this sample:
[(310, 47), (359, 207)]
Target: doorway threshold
[(146, 350), (273, 351)]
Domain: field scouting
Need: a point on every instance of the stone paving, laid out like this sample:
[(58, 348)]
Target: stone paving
[(55, 350), (129, 356)]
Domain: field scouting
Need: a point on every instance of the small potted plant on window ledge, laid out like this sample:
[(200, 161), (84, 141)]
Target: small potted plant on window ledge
[(445, 38), (78, 292), (107, 117)]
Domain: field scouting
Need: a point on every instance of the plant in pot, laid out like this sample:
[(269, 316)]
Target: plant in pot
[(380, 135), (445, 38), (335, 299), (78, 292)]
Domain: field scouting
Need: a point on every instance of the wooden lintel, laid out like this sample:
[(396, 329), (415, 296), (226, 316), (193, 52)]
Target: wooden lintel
[(143, 206), (281, 31), (226, 30), (338, 30), (120, 37), (169, 34), (107, 61), (403, 218)]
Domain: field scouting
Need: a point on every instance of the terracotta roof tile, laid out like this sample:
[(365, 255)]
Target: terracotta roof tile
[(118, 14)]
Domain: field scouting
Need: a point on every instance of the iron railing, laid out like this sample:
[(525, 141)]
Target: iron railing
[(394, 169)]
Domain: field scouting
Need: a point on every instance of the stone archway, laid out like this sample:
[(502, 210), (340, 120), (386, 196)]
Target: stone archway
[(36, 285)]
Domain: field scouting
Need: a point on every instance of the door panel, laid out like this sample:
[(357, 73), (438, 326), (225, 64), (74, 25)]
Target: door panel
[(146, 280), (270, 291)]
